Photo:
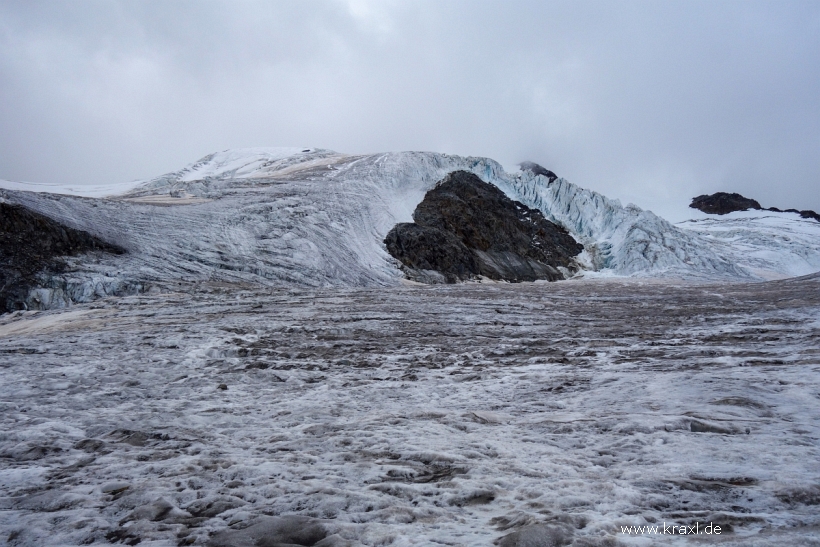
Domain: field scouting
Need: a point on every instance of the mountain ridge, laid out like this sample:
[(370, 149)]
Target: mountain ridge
[(318, 218)]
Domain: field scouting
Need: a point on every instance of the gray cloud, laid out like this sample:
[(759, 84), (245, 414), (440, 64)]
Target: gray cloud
[(649, 102)]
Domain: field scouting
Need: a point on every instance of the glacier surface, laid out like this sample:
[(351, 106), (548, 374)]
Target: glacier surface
[(415, 416), (769, 244), (317, 218), (264, 362)]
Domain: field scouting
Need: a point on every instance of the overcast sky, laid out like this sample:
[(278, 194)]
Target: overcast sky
[(649, 102)]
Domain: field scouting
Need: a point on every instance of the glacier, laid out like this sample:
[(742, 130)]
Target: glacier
[(622, 241), (317, 218), (463, 415), (769, 244), (266, 370)]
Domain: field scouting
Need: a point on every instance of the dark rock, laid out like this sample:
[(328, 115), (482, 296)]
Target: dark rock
[(223, 387), (426, 248), (114, 488), (701, 483), (697, 426), (804, 495), (137, 438), (153, 511), (804, 214), (211, 507), (290, 530), (474, 498), (314, 379), (810, 214), (428, 474), (722, 203), (30, 451), (31, 244), (123, 535), (537, 535), (536, 169), (466, 227)]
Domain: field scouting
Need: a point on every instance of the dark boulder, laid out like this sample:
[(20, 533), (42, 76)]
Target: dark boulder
[(466, 227), (722, 203), (31, 244)]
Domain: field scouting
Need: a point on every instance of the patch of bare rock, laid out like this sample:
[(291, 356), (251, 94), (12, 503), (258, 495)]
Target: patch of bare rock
[(466, 228)]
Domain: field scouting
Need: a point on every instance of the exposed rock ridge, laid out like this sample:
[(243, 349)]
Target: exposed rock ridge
[(465, 228), (536, 169), (806, 213), (722, 203), (31, 244)]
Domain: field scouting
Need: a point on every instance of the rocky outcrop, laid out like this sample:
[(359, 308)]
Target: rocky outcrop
[(465, 228), (722, 203), (536, 169), (32, 244), (804, 214)]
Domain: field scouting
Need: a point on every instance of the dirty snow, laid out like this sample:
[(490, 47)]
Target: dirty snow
[(448, 415)]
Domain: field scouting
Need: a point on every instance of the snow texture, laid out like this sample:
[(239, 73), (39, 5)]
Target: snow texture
[(540, 413), (87, 190), (769, 244)]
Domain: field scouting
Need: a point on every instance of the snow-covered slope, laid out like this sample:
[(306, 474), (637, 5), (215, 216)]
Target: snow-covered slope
[(314, 219), (620, 240), (235, 164), (86, 190), (229, 164), (318, 218), (769, 244)]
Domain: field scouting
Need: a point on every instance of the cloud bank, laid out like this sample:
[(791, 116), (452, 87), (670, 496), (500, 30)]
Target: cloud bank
[(649, 102)]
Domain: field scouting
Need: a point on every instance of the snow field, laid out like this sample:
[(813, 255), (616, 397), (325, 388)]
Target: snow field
[(451, 415), (771, 245)]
